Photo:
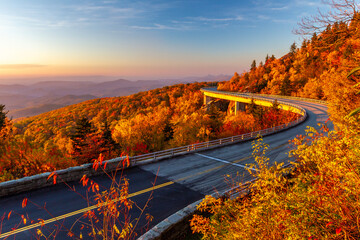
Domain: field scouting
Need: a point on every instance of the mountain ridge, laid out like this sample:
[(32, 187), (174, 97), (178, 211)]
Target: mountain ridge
[(24, 100)]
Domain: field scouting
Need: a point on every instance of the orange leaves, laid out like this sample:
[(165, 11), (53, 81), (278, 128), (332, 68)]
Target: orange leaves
[(100, 161), (149, 217), (200, 224), (9, 214), (42, 222), (84, 180), (105, 164), (93, 185), (101, 158), (328, 224), (23, 219), (24, 202), (89, 214), (54, 176), (337, 231), (126, 162)]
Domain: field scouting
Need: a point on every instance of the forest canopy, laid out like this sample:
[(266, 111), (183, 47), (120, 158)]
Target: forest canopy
[(140, 123)]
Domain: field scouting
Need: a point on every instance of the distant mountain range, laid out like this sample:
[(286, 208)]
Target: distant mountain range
[(28, 100)]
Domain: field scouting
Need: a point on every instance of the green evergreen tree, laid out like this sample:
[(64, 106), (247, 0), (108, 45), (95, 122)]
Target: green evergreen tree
[(293, 48), (257, 111), (253, 65), (168, 131), (108, 145), (167, 100), (275, 105), (2, 116), (81, 139), (285, 88), (6, 131)]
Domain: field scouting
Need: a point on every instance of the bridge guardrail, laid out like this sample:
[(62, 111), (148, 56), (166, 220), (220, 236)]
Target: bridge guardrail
[(275, 96), (75, 173)]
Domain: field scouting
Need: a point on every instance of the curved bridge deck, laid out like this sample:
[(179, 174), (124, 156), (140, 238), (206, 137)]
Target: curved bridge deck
[(248, 99)]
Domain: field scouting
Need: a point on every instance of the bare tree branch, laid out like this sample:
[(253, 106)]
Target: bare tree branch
[(341, 11)]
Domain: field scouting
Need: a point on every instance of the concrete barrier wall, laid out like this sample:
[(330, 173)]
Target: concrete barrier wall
[(41, 180), (177, 225)]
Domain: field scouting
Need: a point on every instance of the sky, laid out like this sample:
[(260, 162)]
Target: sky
[(146, 38)]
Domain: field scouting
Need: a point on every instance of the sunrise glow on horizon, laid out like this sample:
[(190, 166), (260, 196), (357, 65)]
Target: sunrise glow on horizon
[(144, 38)]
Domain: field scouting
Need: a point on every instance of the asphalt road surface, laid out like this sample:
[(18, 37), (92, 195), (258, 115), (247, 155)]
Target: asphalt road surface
[(178, 182)]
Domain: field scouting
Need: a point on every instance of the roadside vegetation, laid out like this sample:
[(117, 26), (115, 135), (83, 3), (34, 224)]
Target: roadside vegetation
[(318, 198)]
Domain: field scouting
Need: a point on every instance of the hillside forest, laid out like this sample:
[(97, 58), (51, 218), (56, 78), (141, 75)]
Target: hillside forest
[(144, 122), (317, 69), (319, 197)]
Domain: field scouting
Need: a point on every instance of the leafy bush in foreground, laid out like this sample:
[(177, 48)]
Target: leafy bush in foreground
[(321, 200)]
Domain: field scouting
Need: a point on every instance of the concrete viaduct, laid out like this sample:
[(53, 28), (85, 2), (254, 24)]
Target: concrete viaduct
[(241, 99)]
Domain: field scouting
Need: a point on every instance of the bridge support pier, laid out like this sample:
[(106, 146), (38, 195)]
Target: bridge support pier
[(207, 99), (239, 107)]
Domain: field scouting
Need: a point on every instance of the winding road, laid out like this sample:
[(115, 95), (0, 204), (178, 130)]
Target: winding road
[(178, 182)]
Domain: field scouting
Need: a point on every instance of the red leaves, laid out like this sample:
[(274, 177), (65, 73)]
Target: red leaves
[(42, 222), (98, 162), (105, 165), (54, 179), (338, 230), (84, 180), (93, 185), (140, 148), (9, 214), (24, 202), (54, 175), (328, 224), (126, 162), (23, 218)]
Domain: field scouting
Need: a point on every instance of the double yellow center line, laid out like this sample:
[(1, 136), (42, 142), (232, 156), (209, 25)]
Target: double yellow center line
[(61, 217), (19, 230)]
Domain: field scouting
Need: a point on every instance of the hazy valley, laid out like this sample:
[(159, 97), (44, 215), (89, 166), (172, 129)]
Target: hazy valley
[(25, 100)]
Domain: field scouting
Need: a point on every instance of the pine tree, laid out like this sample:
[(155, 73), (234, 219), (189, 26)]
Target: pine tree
[(253, 65), (108, 145), (293, 48), (2, 116), (168, 131), (82, 140), (6, 130), (257, 111), (275, 106), (286, 86)]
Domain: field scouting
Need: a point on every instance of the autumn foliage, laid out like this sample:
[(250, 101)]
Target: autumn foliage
[(317, 69), (319, 199), (137, 124)]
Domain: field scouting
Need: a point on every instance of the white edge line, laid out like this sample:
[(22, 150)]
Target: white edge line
[(224, 161)]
